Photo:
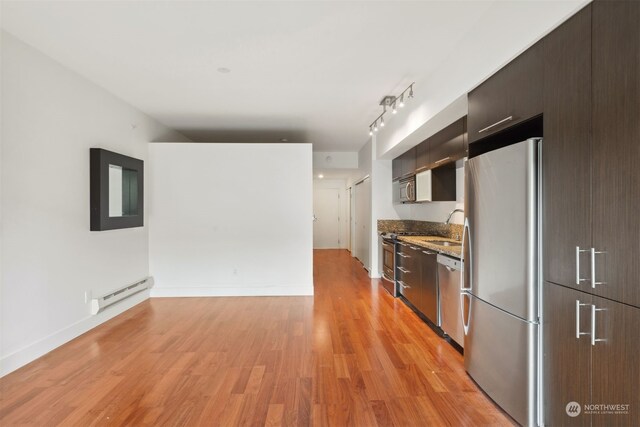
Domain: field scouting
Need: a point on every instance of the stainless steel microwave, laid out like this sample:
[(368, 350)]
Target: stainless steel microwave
[(404, 191)]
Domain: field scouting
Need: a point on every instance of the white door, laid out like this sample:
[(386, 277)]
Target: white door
[(326, 218), (363, 221)]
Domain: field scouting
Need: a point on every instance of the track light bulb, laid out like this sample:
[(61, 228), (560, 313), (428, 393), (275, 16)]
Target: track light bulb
[(370, 131), (375, 127), (411, 91), (401, 101), (382, 122), (393, 109)]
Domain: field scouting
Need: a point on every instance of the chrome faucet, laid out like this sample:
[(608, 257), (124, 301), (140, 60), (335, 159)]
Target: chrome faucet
[(451, 214)]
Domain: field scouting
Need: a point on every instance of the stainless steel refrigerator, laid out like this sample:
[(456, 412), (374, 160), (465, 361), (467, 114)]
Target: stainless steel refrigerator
[(501, 292)]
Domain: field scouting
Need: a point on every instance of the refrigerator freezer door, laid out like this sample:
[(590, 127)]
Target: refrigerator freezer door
[(501, 206), (500, 355)]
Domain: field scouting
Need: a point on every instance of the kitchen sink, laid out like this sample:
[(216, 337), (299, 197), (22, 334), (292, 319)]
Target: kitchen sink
[(443, 243)]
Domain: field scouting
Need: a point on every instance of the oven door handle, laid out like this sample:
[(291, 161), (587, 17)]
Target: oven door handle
[(387, 279)]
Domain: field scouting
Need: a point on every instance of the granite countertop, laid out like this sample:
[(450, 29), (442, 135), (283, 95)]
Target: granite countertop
[(425, 242)]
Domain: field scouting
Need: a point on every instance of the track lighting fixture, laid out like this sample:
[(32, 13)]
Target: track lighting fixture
[(393, 102)]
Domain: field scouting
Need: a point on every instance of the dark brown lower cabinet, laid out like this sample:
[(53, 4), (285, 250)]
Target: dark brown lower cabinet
[(615, 363), (409, 274), (567, 361), (418, 279), (590, 379)]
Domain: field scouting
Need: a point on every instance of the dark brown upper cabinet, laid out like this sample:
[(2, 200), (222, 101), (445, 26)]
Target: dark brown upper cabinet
[(591, 152), (616, 149), (409, 162), (422, 156), (566, 153), (510, 96), (447, 145), (396, 168), (404, 165)]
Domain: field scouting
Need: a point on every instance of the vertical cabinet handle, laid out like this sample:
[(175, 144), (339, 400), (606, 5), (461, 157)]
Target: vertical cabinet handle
[(593, 324), (578, 251), (578, 333), (593, 268)]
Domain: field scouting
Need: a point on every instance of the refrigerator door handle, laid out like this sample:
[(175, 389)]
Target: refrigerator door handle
[(465, 323), (466, 261)]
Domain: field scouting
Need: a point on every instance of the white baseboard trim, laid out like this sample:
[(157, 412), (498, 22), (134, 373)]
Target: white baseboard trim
[(231, 291), (31, 352)]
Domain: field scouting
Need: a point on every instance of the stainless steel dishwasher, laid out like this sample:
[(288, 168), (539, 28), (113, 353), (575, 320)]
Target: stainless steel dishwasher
[(449, 283)]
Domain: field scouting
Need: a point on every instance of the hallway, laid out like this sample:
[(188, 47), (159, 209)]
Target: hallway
[(350, 355)]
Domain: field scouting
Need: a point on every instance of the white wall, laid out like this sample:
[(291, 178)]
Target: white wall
[(381, 206), (334, 160), (341, 185), (231, 219), (467, 66), (365, 156), (50, 118)]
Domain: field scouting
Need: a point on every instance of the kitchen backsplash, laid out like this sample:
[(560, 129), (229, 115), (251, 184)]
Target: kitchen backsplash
[(427, 228)]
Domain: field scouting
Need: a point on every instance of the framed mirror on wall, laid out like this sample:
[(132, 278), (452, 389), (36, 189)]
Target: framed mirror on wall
[(117, 191)]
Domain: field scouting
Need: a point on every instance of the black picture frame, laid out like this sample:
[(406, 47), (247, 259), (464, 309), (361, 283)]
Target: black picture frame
[(100, 159)]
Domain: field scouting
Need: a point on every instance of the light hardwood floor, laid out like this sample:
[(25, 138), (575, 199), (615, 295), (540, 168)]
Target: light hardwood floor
[(350, 355)]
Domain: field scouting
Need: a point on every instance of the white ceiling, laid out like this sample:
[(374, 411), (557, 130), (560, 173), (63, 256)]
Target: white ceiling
[(307, 71)]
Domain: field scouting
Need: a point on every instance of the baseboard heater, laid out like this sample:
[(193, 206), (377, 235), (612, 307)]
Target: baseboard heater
[(99, 304)]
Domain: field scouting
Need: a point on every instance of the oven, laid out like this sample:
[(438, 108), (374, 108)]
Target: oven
[(389, 264)]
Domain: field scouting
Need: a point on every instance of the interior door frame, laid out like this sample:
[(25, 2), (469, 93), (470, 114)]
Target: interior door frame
[(349, 201)]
